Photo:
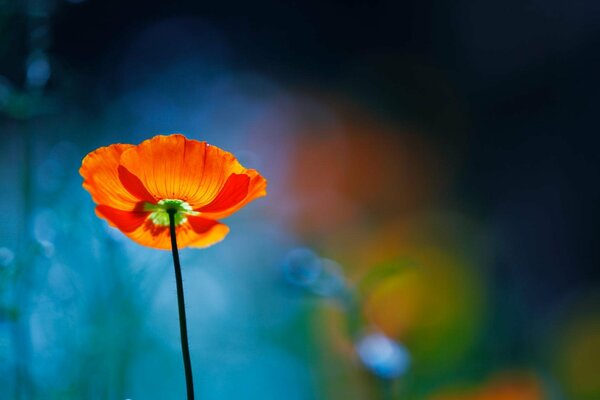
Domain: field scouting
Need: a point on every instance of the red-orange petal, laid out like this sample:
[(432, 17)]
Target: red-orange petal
[(195, 232), (173, 167), (126, 221), (234, 191), (230, 199), (101, 179), (134, 185)]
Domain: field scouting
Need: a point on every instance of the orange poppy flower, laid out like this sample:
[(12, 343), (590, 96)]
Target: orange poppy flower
[(134, 187)]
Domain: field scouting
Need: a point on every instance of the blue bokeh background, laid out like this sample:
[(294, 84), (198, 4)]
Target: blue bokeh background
[(430, 228)]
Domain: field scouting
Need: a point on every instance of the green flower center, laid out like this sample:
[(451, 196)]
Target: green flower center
[(159, 213)]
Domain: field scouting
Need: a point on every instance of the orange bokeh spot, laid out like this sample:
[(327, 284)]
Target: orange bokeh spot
[(504, 386), (358, 171)]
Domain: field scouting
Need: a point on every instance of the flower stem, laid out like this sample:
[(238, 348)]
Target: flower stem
[(187, 363)]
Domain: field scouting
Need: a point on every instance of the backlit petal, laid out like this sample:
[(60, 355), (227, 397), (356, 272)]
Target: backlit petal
[(101, 179), (173, 167), (230, 199), (195, 232), (134, 185), (126, 221), (234, 191)]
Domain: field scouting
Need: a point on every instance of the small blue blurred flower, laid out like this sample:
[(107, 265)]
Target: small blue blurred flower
[(302, 267), (330, 282), (383, 356)]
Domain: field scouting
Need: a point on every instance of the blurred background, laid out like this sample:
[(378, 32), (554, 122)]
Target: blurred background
[(430, 228)]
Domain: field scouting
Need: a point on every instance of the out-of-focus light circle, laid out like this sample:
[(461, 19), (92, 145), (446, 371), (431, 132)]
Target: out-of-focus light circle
[(383, 356), (302, 267), (339, 175), (61, 282), (38, 70), (47, 248), (330, 281), (7, 256), (45, 222)]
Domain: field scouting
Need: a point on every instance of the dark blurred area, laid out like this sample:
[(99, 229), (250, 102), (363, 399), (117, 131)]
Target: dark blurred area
[(437, 159)]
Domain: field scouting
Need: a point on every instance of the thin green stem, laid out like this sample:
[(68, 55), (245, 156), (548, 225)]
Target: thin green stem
[(187, 363)]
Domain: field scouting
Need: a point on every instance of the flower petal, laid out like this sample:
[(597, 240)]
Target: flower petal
[(134, 185), (235, 194), (234, 191), (126, 221), (195, 232), (173, 167), (99, 170)]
